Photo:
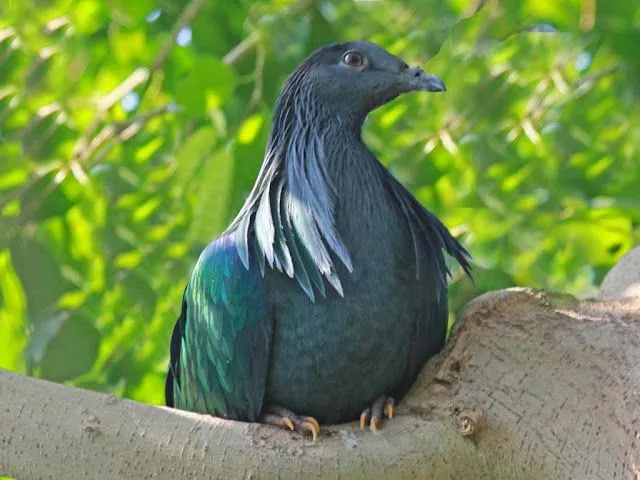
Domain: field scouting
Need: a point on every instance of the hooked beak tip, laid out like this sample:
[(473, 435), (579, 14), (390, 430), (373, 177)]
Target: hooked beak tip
[(421, 81), (433, 84)]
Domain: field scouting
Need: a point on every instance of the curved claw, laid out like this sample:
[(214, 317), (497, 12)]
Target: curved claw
[(373, 416), (287, 423), (311, 427), (375, 424), (365, 418), (388, 407), (315, 423), (285, 418)]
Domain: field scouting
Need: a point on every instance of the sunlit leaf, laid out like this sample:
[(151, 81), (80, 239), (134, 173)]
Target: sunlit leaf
[(13, 328), (249, 129), (210, 84)]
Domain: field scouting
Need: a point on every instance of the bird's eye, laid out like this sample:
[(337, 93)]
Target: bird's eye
[(353, 59)]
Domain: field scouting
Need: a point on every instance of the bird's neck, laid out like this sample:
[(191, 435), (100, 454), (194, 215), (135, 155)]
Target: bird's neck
[(354, 171), (315, 159)]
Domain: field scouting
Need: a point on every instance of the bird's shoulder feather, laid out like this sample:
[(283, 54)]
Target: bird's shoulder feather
[(222, 340)]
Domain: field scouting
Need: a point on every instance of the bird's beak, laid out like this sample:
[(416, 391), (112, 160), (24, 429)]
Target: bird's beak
[(418, 80)]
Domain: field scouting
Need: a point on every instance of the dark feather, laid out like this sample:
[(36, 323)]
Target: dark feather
[(174, 357), (300, 215), (435, 235)]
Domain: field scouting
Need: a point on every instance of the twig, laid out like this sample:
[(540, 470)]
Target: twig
[(256, 94), (112, 130), (29, 184), (137, 78), (237, 52), (589, 80), (107, 133)]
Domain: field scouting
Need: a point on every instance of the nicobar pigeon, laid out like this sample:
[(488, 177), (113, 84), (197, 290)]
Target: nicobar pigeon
[(326, 295)]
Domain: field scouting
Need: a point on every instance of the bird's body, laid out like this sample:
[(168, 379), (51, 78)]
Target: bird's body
[(333, 358), (328, 291)]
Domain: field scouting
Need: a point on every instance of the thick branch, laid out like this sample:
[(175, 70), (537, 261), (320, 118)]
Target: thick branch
[(52, 431), (531, 385)]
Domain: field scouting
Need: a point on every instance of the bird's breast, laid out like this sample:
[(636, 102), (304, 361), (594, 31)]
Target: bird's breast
[(332, 356)]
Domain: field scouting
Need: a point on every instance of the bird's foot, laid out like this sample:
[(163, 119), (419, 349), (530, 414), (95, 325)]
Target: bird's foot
[(382, 407), (285, 418)]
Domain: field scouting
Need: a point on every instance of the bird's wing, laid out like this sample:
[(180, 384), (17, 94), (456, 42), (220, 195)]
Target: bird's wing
[(221, 343), (430, 240), (428, 230)]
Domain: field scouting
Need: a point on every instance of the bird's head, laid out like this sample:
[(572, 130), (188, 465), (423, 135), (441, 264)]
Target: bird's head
[(355, 78)]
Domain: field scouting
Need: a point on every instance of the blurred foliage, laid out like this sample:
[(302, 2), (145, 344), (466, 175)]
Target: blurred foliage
[(130, 133)]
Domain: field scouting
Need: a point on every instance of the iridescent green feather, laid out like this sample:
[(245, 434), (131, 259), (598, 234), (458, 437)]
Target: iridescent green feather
[(224, 322)]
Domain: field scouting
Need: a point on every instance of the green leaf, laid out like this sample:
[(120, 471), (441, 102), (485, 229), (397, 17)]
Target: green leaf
[(135, 11), (213, 197), (13, 326), (48, 197), (71, 350), (209, 85), (87, 16), (39, 273), (193, 153), (250, 128)]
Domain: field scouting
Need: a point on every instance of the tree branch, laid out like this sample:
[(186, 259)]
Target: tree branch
[(529, 382), (240, 50)]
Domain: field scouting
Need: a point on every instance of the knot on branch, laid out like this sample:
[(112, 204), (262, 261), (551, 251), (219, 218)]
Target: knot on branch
[(469, 419)]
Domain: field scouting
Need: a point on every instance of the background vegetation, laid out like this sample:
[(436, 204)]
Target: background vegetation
[(130, 133)]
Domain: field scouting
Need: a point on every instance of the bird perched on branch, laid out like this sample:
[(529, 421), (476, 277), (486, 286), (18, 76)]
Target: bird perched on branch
[(326, 295)]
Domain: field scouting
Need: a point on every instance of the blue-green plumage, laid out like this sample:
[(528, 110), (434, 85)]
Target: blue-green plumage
[(329, 289), (221, 343)]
